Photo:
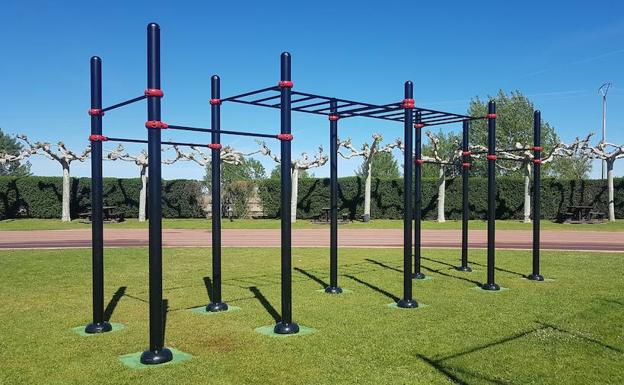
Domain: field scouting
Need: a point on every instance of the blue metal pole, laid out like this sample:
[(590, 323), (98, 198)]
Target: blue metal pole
[(408, 104), (491, 216), (465, 190), (99, 324), (286, 325), (216, 303), (157, 353), (537, 162), (333, 287), (418, 274)]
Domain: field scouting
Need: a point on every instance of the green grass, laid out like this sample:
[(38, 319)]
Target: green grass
[(567, 331), (53, 224)]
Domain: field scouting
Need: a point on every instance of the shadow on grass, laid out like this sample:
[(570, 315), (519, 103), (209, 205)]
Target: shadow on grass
[(112, 305), (375, 288), (265, 303), (437, 271), (208, 284), (312, 277), (381, 264)]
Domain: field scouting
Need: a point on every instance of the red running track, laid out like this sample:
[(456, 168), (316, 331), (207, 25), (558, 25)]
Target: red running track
[(505, 239)]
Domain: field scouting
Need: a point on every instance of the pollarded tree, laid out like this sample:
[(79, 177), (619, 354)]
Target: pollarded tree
[(368, 152), (303, 163), (64, 157), (446, 152), (609, 153)]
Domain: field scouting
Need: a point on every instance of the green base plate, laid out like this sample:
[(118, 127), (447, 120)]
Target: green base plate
[(545, 280), (202, 310), (268, 331), (344, 291), (478, 288), (393, 305), (427, 278), (80, 330), (133, 360)]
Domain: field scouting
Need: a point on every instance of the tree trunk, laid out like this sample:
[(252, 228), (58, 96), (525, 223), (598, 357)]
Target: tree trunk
[(441, 193), (143, 194), (66, 213), (610, 189), (527, 192), (367, 192), (295, 191)]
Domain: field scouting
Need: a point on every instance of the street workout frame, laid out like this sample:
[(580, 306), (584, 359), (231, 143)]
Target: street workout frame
[(277, 97)]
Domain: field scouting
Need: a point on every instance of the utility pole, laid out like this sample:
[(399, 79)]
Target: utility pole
[(603, 92)]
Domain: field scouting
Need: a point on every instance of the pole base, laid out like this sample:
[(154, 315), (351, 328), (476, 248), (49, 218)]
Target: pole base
[(407, 303), (465, 269), (99, 327), (419, 275), (535, 277), (156, 357), (490, 286), (333, 290), (286, 328), (214, 307)]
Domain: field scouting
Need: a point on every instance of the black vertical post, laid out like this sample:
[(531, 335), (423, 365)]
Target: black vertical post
[(408, 105), (157, 353), (333, 287), (418, 274), (465, 190), (216, 303), (286, 325), (491, 216), (537, 162), (99, 324)]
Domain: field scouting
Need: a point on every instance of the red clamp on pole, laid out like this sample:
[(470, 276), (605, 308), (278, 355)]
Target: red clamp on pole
[(537, 148), (97, 138), (419, 161), (491, 116), (491, 157), (284, 136), (418, 126), (407, 103), (466, 164), (214, 101), (214, 146), (466, 153), (96, 112), (154, 92), (334, 118), (537, 161), (285, 84), (156, 124)]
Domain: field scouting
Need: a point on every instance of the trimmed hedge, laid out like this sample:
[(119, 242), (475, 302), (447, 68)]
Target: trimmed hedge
[(41, 197), (387, 197)]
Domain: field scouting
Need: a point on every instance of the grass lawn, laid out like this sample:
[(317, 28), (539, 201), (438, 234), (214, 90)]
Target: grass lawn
[(566, 331), (53, 224)]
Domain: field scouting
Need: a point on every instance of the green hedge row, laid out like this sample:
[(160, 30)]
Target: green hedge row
[(387, 197), (40, 197)]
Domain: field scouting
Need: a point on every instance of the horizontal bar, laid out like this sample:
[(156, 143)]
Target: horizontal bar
[(499, 151), (124, 103), (338, 107), (124, 140), (294, 101), (232, 98), (239, 133), (265, 99), (436, 162)]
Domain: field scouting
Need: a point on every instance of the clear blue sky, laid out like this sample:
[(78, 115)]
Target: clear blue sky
[(556, 54)]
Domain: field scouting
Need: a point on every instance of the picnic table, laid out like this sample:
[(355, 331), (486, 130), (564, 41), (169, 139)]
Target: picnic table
[(109, 214), (325, 216), (583, 214)]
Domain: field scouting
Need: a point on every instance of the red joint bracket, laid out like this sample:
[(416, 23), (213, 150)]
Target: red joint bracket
[(98, 138), (491, 116), (96, 112), (466, 153), (407, 103), (334, 118), (418, 126), (154, 92), (214, 146), (537, 162), (466, 164), (284, 137), (419, 161), (537, 148), (285, 84), (156, 124), (215, 101), (491, 157)]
